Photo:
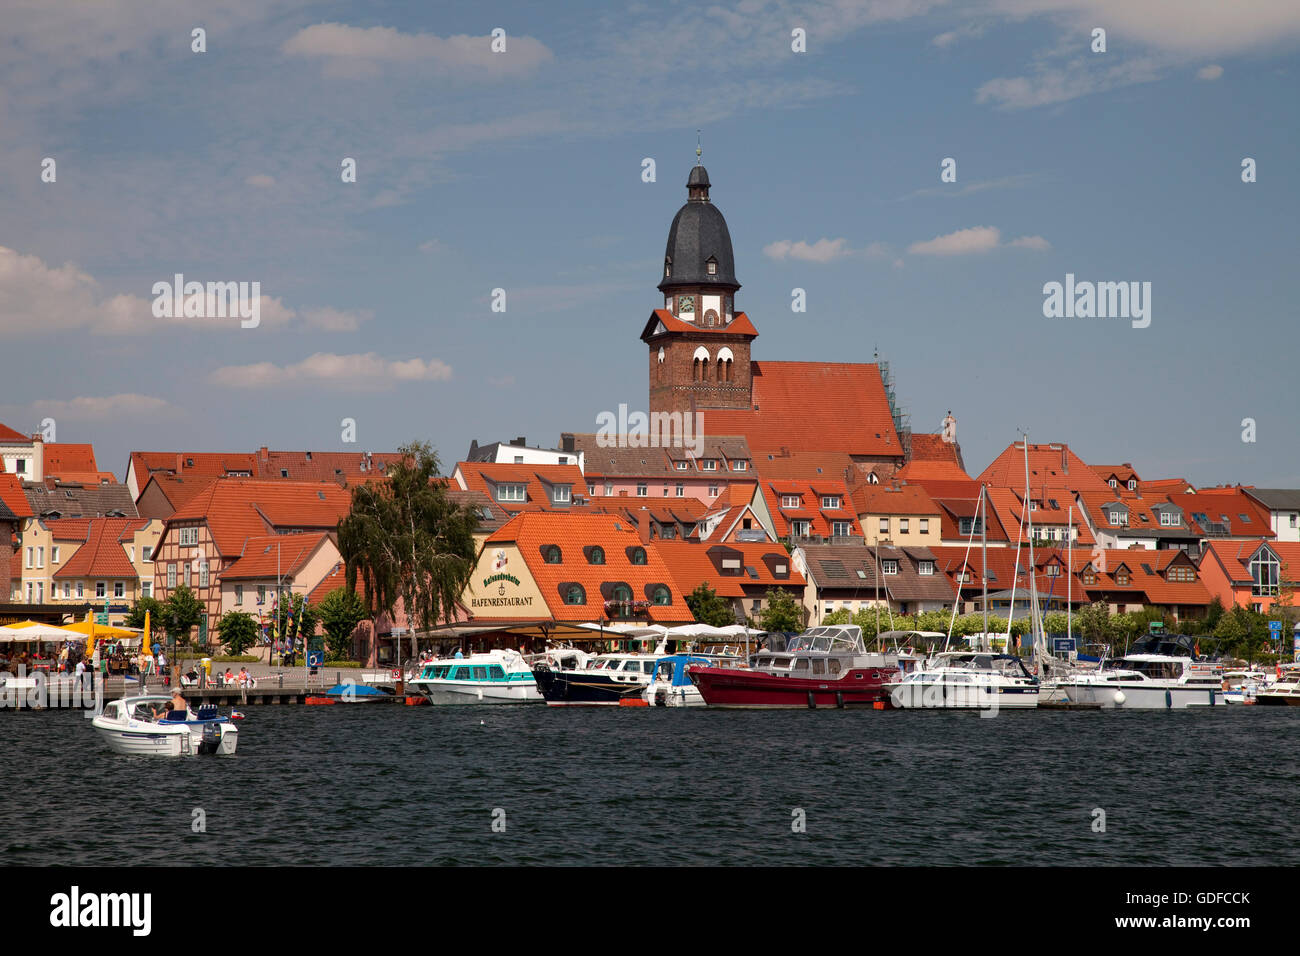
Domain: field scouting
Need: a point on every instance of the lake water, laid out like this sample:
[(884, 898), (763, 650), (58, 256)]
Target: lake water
[(396, 785)]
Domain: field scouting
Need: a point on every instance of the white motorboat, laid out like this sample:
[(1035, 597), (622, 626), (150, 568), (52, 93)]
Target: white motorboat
[(1149, 682), (139, 725), (1283, 691), (603, 680), (1242, 686), (671, 684), (967, 680), (494, 677)]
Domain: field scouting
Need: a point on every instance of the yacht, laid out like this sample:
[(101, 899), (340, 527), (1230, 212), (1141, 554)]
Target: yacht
[(138, 725), (1283, 691), (603, 680), (1149, 682), (1243, 686), (972, 680), (493, 677), (671, 684), (826, 666)]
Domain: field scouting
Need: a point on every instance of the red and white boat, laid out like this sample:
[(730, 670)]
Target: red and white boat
[(826, 666)]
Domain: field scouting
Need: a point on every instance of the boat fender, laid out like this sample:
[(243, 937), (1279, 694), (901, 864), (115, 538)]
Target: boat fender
[(1119, 697), (236, 715), (812, 701), (839, 699)]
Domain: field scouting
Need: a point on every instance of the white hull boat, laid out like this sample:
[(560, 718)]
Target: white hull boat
[(129, 726), (495, 677), (967, 681), (1150, 682)]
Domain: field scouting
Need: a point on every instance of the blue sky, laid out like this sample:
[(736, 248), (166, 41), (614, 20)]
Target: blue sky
[(522, 171)]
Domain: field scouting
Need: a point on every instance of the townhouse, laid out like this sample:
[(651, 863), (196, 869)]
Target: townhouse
[(1252, 573), (518, 488), (856, 577), (1283, 506), (901, 515), (740, 572), (615, 468), (817, 510)]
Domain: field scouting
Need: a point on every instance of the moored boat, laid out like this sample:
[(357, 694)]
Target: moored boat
[(826, 666), (1285, 691), (494, 677), (603, 680), (967, 680), (671, 685), (137, 725)]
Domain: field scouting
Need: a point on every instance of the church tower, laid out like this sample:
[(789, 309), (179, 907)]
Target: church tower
[(698, 343)]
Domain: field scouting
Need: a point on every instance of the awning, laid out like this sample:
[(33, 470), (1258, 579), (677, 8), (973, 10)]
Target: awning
[(32, 631)]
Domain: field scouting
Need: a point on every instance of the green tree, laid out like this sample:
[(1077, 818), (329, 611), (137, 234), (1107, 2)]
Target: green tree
[(1093, 622), (838, 616), (409, 541), (237, 630), (340, 612), (709, 608), (181, 612), (135, 617), (782, 612)]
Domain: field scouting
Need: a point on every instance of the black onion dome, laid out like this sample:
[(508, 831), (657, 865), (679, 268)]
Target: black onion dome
[(698, 233)]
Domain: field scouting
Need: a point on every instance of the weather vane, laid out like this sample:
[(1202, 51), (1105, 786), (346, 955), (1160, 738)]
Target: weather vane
[(698, 150)]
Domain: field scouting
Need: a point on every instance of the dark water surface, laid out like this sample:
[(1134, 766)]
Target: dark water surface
[(397, 785)]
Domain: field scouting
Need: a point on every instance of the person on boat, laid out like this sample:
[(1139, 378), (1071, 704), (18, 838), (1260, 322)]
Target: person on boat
[(459, 655), (178, 706)]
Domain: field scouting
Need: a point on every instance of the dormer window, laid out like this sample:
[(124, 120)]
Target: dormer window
[(562, 494), (1113, 483), (1132, 484), (791, 501), (551, 554), (510, 492), (636, 555), (711, 266), (596, 555), (1121, 577), (1119, 518), (831, 502), (668, 267), (1089, 576), (889, 566)]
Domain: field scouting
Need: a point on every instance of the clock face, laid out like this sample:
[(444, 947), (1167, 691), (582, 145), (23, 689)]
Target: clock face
[(686, 303)]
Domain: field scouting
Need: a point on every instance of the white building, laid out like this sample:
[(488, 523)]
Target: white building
[(1283, 506)]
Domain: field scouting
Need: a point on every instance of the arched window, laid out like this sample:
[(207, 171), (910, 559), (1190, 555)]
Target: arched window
[(636, 555), (574, 594), (725, 358), (701, 365), (622, 592), (711, 266), (596, 555), (551, 554), (662, 595)]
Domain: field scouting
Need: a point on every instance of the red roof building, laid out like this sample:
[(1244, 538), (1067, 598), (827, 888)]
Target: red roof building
[(1052, 468), (1250, 572), (518, 488), (741, 572), (810, 509)]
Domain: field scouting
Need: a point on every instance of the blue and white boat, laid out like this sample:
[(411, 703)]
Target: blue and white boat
[(671, 685), (139, 725), (494, 677)]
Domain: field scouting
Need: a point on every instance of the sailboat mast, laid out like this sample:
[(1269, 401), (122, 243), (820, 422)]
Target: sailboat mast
[(984, 558), (1069, 580)]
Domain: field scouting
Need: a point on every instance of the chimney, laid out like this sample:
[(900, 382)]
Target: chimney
[(521, 441), (1065, 461), (568, 442), (263, 454), (643, 525), (180, 461)]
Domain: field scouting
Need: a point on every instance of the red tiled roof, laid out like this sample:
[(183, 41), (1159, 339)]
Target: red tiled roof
[(7, 434), (1226, 505), (891, 500), (337, 578), (1051, 467), (1235, 557), (484, 476), (68, 529), (694, 563), (69, 462), (740, 325), (812, 406), (932, 457), (810, 508), (572, 532), (237, 509), (12, 496), (272, 555), (805, 465), (1009, 506), (102, 555), (177, 489)]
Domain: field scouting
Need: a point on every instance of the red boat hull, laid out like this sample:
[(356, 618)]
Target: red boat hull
[(734, 687)]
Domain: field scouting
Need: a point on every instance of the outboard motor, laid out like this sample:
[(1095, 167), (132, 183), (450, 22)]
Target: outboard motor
[(211, 741)]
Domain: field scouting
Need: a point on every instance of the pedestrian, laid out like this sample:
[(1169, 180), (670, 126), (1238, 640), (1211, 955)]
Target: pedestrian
[(459, 655)]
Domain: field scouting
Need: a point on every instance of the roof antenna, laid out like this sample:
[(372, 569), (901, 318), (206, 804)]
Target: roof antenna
[(698, 151)]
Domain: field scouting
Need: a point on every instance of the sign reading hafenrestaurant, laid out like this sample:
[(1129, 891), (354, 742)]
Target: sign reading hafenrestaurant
[(501, 600)]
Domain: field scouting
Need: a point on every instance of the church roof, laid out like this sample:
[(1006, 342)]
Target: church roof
[(812, 406), (661, 322), (699, 233)]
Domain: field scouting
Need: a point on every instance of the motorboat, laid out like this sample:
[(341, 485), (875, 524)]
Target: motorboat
[(1160, 672), (1243, 686), (967, 680), (493, 677), (1285, 691), (671, 684), (140, 725), (602, 680), (826, 666)]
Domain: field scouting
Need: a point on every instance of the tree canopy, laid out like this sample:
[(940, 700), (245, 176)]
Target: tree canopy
[(709, 608), (340, 612)]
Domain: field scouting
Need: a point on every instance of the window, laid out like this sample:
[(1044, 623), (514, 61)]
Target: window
[(1132, 484), (800, 529), (1118, 518), (261, 594), (1263, 573), (147, 554), (711, 266), (20, 466), (740, 465), (902, 525), (831, 502), (925, 525), (925, 568), (709, 464), (239, 594), (31, 589), (1245, 518), (101, 589), (40, 592), (790, 501), (622, 593), (662, 595), (119, 589), (641, 489), (1053, 570), (681, 491), (510, 492), (1121, 577), (1113, 483), (889, 566), (40, 557), (1089, 576), (884, 526), (171, 577), (563, 494), (203, 574), (519, 459), (713, 491), (683, 465), (31, 552), (146, 589), (551, 554), (970, 526), (54, 555), (841, 529), (591, 490), (637, 556), (81, 589), (1169, 519)]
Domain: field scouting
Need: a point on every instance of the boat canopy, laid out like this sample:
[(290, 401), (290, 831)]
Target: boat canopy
[(678, 664)]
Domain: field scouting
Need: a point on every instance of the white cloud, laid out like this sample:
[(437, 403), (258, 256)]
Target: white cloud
[(1036, 243), (367, 372), (460, 55), (261, 180), (823, 250), (962, 242), (335, 320), (1211, 72), (1057, 84), (433, 247), (106, 408), (951, 37)]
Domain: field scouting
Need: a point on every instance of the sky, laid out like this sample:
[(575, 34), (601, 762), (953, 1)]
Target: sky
[(523, 170)]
